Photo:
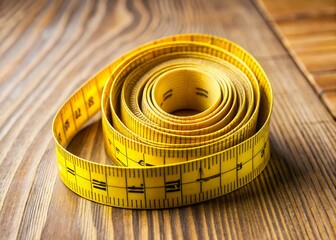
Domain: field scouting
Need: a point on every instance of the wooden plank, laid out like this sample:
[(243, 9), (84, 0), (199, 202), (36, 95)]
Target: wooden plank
[(308, 31), (313, 26), (318, 61), (288, 9), (330, 99), (49, 48), (313, 43), (326, 82)]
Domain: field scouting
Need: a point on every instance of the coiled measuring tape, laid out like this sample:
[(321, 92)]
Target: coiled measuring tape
[(162, 158)]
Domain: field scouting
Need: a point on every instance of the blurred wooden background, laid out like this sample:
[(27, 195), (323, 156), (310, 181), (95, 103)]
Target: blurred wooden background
[(49, 48), (308, 30)]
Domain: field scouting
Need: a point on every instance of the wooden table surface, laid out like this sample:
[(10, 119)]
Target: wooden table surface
[(308, 30), (49, 48)]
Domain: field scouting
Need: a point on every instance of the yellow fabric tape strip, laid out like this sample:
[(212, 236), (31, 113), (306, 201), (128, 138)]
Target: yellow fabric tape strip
[(165, 159)]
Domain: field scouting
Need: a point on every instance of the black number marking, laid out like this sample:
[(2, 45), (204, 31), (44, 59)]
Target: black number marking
[(239, 166), (202, 92), (99, 184), (71, 171), (90, 102), (142, 163), (59, 137), (262, 152), (78, 113), (173, 186), (66, 125), (135, 189)]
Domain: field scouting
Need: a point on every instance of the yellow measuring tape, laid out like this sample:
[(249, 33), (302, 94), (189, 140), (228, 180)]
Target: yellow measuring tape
[(185, 118)]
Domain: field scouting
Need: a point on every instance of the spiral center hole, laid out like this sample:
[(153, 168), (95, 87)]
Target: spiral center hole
[(185, 92)]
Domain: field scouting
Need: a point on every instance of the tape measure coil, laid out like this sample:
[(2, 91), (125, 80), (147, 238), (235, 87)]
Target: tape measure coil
[(169, 160)]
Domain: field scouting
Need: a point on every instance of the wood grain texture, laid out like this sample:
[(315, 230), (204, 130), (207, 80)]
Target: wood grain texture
[(49, 48), (308, 30)]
